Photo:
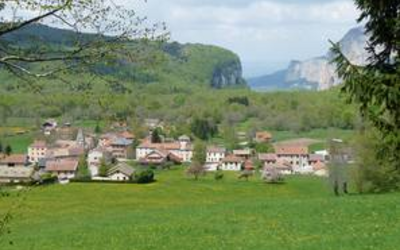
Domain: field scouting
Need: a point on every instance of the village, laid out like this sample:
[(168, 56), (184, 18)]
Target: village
[(116, 154)]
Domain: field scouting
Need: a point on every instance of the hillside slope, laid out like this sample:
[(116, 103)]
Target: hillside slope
[(178, 63)]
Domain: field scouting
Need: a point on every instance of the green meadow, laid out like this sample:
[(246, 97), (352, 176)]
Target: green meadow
[(180, 213)]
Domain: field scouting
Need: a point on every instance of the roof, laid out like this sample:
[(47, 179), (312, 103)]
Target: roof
[(232, 158), (107, 136), (316, 157), (98, 150), (121, 142), (18, 159), (248, 165), (65, 143), (76, 151), (291, 150), (16, 172), (38, 144), (184, 138), (127, 135), (215, 149), (267, 157), (175, 158), (279, 165), (57, 152), (242, 152), (50, 122), (319, 166), (264, 135), (121, 168), (164, 146), (62, 165)]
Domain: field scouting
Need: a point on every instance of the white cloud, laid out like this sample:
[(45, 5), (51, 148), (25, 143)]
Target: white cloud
[(259, 31), (262, 32)]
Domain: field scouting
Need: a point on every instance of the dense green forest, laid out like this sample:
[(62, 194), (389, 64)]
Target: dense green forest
[(176, 83), (176, 104)]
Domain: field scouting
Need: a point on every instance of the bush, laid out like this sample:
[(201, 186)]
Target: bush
[(219, 175), (144, 176), (272, 176), (47, 179)]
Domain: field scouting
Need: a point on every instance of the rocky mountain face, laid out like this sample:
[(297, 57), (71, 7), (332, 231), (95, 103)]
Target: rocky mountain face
[(315, 73), (228, 74)]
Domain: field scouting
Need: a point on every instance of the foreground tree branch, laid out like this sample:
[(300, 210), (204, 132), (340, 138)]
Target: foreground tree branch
[(110, 27)]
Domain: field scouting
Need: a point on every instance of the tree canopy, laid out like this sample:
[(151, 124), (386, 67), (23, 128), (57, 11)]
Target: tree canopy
[(110, 25), (375, 87)]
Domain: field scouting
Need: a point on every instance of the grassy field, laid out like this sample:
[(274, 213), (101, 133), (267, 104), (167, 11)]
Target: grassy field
[(18, 143), (178, 213), (319, 134)]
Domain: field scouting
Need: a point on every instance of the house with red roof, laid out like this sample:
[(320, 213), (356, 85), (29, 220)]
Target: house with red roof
[(181, 149), (296, 155), (15, 160), (64, 169), (263, 137), (232, 163)]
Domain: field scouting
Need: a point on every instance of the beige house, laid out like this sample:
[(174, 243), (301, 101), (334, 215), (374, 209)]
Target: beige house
[(37, 151), (297, 156), (268, 158), (121, 172), (64, 169), (15, 160), (182, 149), (232, 163), (243, 153), (16, 174)]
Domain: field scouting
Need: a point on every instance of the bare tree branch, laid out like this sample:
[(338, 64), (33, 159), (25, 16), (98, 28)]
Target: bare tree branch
[(34, 20)]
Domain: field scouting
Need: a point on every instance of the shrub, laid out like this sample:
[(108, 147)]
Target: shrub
[(219, 175), (272, 175), (196, 170), (144, 176), (246, 174), (47, 178)]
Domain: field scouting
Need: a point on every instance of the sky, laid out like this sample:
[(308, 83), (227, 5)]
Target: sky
[(266, 34)]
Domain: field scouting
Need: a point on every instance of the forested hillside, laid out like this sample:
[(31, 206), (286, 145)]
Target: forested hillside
[(176, 84), (155, 62)]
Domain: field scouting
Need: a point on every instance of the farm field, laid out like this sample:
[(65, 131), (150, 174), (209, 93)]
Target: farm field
[(180, 213), (19, 143)]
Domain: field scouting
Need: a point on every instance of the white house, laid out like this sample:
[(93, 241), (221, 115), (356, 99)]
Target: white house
[(94, 159), (214, 157), (281, 166), (121, 172), (215, 154), (232, 163), (182, 148), (243, 153), (297, 156), (48, 126), (37, 151)]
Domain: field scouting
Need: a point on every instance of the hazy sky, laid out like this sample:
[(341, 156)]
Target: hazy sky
[(266, 34)]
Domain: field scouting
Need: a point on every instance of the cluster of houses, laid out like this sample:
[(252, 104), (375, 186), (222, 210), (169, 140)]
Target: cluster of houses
[(61, 158)]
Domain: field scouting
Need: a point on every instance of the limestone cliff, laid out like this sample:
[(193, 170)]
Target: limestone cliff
[(316, 73)]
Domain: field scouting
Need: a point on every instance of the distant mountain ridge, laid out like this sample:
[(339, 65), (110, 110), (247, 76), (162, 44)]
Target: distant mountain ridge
[(316, 73), (182, 64)]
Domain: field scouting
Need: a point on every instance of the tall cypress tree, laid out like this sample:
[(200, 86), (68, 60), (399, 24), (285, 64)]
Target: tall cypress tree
[(375, 87)]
